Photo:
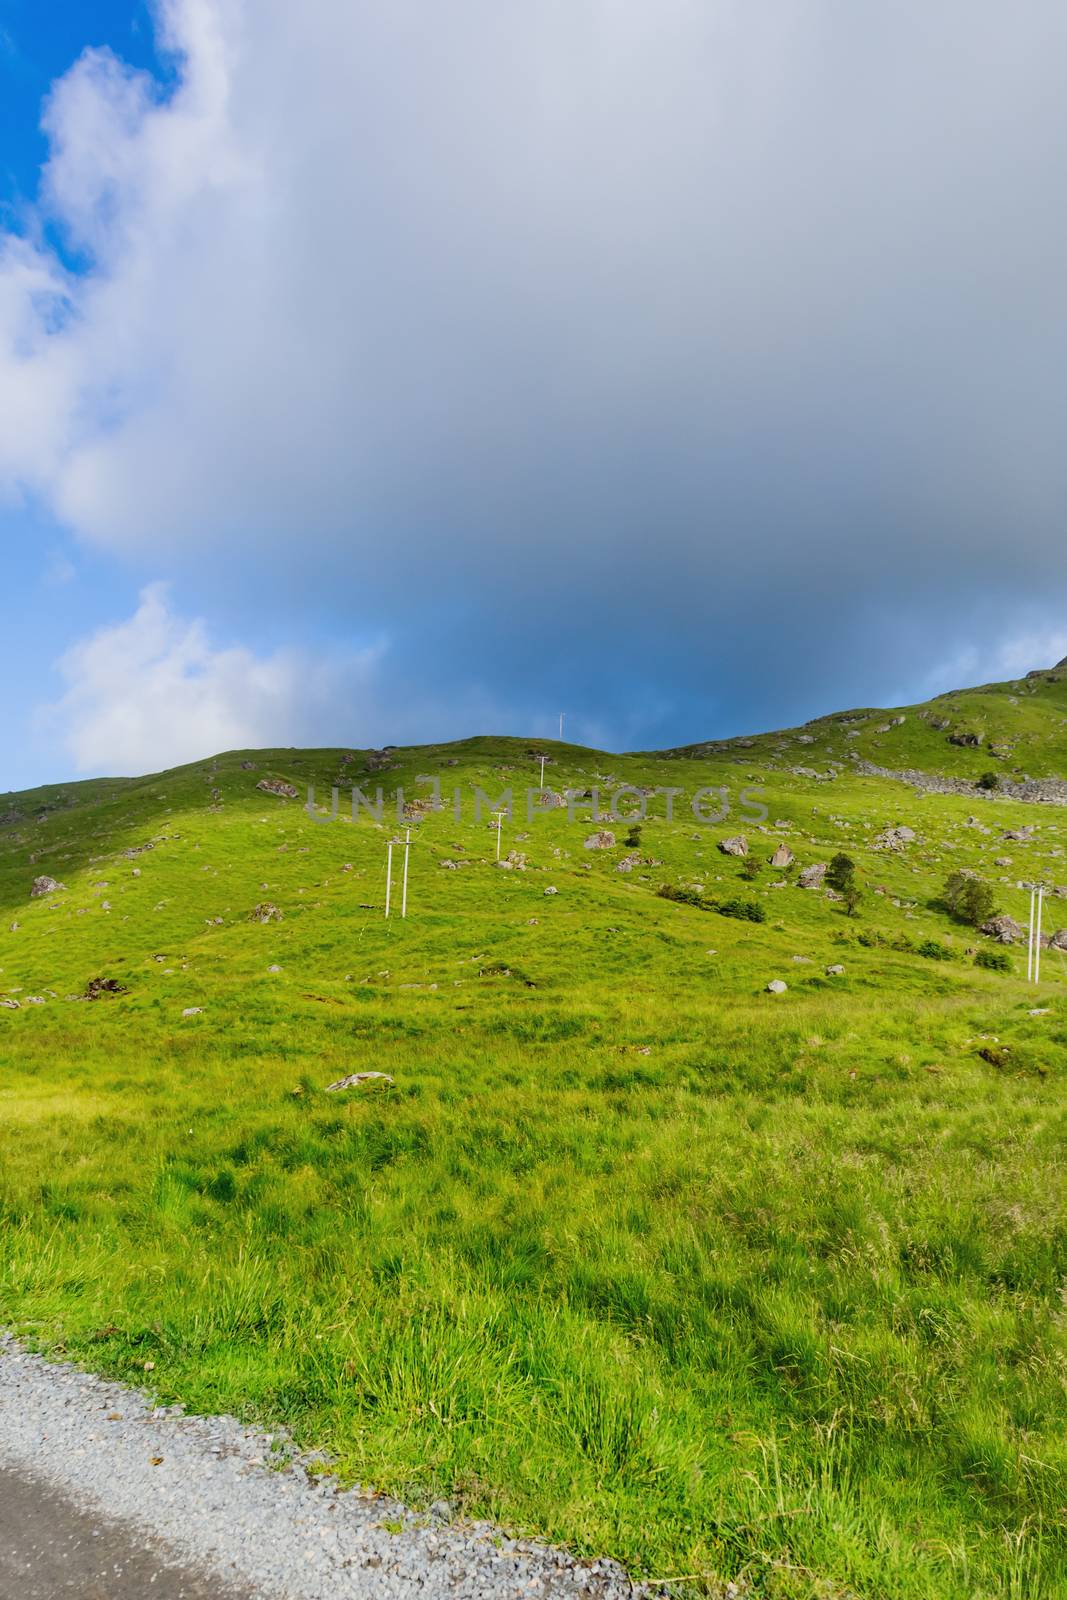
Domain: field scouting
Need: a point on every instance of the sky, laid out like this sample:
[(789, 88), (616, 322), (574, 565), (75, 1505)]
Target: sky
[(379, 374)]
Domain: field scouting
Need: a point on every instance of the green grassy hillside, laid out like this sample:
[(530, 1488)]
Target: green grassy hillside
[(631, 1252)]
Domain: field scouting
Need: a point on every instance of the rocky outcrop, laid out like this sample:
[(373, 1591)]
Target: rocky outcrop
[(265, 912), (812, 877), (44, 885), (278, 786), (782, 857), (1005, 929), (737, 846), (355, 1080), (1040, 791), (97, 987), (604, 839), (894, 838)]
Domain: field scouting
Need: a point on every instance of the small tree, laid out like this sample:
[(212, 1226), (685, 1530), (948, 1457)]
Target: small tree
[(989, 780), (852, 895), (969, 898), (841, 873)]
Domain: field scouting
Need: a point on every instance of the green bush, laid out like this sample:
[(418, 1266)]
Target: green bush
[(969, 898), (933, 950), (744, 910), (684, 897), (994, 960)]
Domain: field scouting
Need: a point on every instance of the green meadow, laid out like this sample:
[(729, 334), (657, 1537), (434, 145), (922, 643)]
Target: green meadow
[(630, 1253)]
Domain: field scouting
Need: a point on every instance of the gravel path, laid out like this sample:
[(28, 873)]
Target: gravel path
[(52, 1549), (207, 1492)]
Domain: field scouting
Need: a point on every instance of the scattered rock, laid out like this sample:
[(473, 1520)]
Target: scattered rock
[(603, 839), (193, 1011), (10, 1005), (776, 986), (1019, 835), (274, 969), (738, 846), (969, 740), (894, 838), (1058, 940), (44, 885), (1003, 928), (135, 850), (278, 786), (550, 890), (96, 987), (355, 1079), (264, 912), (836, 971), (248, 766), (782, 857), (628, 863), (812, 877)]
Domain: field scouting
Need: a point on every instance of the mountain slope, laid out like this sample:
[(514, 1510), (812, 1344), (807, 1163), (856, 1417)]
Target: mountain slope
[(631, 1252)]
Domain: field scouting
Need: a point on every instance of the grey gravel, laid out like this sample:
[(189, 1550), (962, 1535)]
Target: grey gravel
[(243, 1504)]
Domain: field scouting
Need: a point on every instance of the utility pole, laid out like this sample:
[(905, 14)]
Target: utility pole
[(388, 876), (1030, 940), (561, 725), (1037, 938), (404, 896), (499, 815), (542, 772)]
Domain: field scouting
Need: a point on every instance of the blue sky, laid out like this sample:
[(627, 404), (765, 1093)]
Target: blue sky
[(378, 374), (38, 43)]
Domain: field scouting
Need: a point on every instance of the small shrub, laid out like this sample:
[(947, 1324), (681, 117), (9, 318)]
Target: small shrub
[(683, 897), (750, 868), (989, 780), (993, 960), (933, 950), (743, 910), (633, 838)]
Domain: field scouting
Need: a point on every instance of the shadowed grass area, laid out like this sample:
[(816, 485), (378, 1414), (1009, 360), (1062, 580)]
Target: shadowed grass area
[(631, 1253)]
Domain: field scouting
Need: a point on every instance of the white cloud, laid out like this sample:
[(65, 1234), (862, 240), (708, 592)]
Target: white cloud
[(996, 660), (153, 692), (695, 325)]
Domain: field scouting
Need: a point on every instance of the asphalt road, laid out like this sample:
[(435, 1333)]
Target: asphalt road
[(51, 1549)]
